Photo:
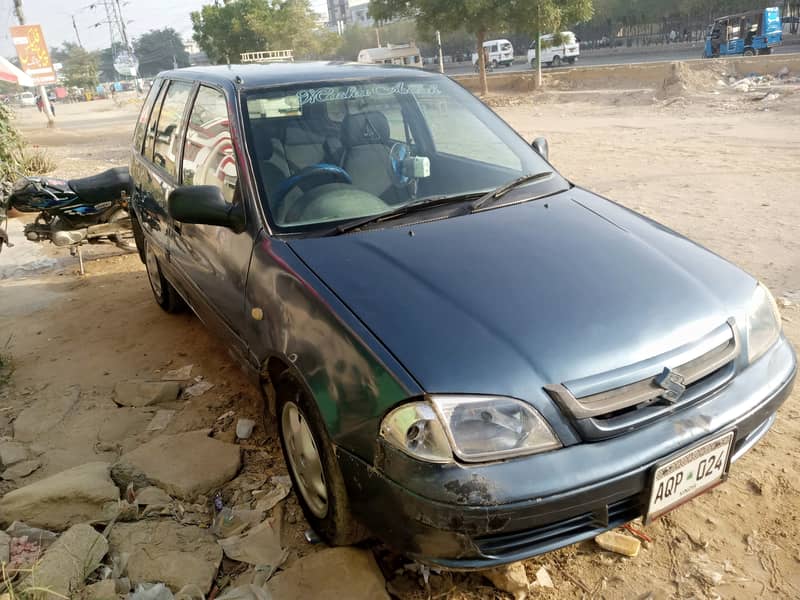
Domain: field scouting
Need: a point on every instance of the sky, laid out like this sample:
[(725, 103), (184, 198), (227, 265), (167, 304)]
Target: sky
[(55, 17)]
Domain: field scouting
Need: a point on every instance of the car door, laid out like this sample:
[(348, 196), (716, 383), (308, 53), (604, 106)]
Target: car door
[(156, 169), (211, 261)]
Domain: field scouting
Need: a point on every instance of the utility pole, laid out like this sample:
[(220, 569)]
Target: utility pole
[(77, 35), (441, 54), (48, 111)]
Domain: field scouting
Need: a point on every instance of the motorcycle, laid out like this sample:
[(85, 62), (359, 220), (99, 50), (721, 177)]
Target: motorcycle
[(75, 212)]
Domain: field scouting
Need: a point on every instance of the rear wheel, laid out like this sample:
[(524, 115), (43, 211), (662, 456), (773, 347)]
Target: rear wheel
[(556, 61), (749, 52), (494, 64), (163, 292), (314, 468)]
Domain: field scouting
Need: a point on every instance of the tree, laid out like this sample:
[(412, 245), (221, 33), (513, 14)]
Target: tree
[(79, 67), (540, 17), (479, 17), (159, 50), (225, 31)]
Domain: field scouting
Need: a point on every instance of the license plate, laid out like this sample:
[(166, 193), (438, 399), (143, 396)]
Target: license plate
[(689, 475)]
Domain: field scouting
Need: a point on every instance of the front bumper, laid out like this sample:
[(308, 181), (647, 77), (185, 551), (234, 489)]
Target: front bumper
[(472, 517)]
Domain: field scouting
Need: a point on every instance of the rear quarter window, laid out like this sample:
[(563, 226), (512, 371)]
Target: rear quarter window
[(144, 115)]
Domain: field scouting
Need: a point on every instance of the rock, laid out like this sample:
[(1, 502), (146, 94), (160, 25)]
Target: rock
[(184, 465), (259, 546), (68, 562), (145, 393), (619, 543), (244, 428), (331, 574), (245, 592), (43, 537), (182, 374), (510, 578), (161, 420), (543, 578), (102, 590), (44, 414), (78, 495), (13, 452), (198, 389), (151, 591), (151, 495), (165, 551), (5, 547), (21, 469)]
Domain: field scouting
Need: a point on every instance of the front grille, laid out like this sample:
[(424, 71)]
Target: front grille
[(640, 393), (567, 531)]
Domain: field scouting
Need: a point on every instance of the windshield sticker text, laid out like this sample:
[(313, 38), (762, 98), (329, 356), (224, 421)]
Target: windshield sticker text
[(333, 94)]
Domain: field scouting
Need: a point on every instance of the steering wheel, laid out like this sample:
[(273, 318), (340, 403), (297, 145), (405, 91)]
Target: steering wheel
[(309, 178)]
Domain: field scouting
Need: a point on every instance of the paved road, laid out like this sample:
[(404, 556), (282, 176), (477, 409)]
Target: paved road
[(588, 59)]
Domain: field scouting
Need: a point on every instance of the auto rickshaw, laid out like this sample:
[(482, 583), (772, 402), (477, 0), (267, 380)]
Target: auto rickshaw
[(749, 33)]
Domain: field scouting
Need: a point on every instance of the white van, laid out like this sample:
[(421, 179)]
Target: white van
[(26, 99), (392, 54), (501, 52), (556, 52)]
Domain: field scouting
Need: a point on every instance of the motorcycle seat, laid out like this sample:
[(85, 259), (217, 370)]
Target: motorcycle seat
[(104, 186)]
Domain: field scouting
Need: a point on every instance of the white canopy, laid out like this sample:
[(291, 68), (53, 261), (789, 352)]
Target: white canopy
[(12, 74)]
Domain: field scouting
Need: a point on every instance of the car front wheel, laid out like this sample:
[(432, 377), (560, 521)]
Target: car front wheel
[(314, 470)]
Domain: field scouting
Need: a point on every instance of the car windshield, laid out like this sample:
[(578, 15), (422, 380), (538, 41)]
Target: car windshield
[(334, 153)]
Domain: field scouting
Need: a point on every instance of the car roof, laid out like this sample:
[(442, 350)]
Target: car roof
[(287, 73)]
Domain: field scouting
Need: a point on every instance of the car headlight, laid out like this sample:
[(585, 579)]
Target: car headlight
[(763, 323), (473, 428)]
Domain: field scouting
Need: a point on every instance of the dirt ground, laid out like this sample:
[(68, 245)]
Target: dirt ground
[(721, 168)]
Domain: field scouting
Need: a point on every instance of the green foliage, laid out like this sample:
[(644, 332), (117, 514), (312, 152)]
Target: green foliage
[(79, 66), (10, 146), (156, 50), (224, 31)]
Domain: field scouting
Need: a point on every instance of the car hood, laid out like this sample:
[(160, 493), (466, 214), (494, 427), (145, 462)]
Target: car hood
[(510, 299)]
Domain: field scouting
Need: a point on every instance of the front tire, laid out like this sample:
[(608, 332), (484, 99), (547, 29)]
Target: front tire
[(314, 469), (556, 61), (749, 52), (163, 292)]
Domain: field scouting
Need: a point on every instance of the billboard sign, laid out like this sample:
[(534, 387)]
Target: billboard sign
[(34, 57)]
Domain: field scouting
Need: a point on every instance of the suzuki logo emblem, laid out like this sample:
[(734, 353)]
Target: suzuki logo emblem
[(672, 383)]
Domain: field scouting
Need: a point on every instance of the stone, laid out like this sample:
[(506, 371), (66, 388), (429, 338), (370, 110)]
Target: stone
[(152, 495), (66, 564), (183, 465), (21, 469), (84, 494), (102, 590), (331, 574), (167, 552), (619, 543), (161, 420), (5, 547), (45, 414), (13, 452), (510, 578), (259, 546), (146, 393)]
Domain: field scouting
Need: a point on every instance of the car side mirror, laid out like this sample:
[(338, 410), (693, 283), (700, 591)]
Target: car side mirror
[(542, 147), (204, 205)]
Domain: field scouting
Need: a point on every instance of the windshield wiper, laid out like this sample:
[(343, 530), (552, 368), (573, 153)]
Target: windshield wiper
[(507, 187), (397, 212)]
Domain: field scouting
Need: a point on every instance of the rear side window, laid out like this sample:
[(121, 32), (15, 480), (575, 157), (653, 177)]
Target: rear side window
[(208, 157), (166, 147), (152, 123), (141, 124)]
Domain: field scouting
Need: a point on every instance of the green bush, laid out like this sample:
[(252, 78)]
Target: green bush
[(11, 146)]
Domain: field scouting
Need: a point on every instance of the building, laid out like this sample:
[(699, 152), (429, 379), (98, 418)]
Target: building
[(337, 12), (359, 15)]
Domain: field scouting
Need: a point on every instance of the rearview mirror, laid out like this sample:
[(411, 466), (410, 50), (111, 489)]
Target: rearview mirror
[(541, 146), (204, 205)]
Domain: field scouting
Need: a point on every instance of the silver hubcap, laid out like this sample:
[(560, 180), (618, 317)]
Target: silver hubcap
[(304, 459), (152, 270)]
